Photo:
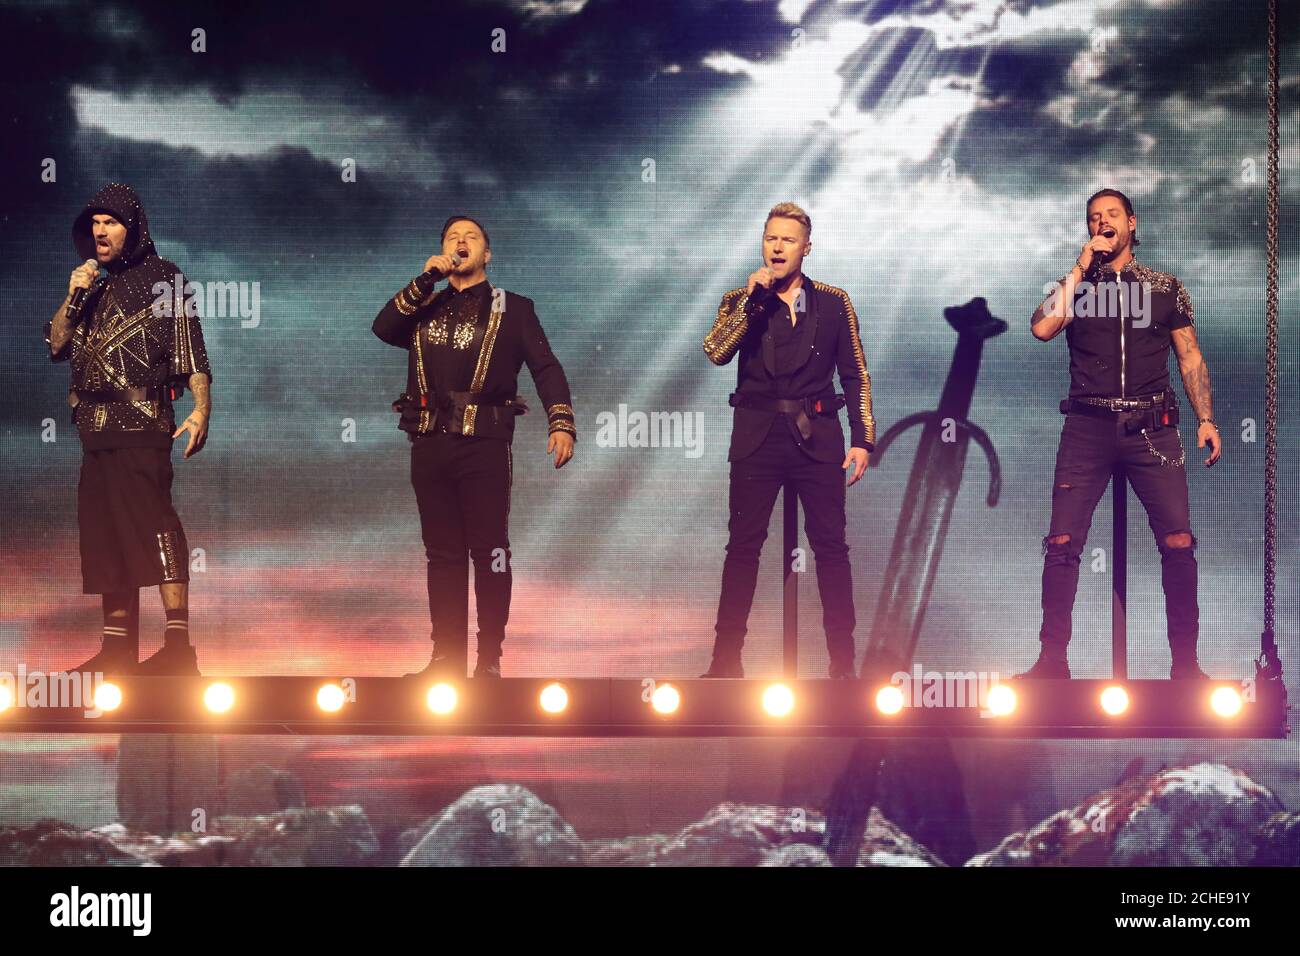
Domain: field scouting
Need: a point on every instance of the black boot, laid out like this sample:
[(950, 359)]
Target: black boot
[(487, 666), (1178, 576), (1051, 665), (1060, 584), (114, 658), (1186, 667), (1182, 650), (725, 665), (175, 659), (440, 665), (842, 670)]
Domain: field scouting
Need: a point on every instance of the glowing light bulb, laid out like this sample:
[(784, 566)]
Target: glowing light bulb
[(778, 700)]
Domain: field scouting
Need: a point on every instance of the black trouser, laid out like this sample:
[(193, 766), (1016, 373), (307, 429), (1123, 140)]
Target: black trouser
[(755, 481), (1091, 446), (462, 485)]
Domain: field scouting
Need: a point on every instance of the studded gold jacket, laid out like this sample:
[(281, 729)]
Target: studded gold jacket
[(827, 341), (140, 338)]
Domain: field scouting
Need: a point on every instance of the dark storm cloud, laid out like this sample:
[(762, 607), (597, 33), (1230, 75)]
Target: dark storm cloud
[(1185, 48), (427, 59), (1173, 92), (426, 68), (566, 85)]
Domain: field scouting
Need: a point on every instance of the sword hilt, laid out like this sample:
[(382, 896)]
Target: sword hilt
[(976, 433)]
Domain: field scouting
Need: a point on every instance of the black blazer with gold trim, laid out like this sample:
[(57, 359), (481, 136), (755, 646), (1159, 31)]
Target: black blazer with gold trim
[(507, 337), (828, 341)]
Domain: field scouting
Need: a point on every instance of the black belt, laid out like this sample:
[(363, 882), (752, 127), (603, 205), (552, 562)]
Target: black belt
[(1143, 413), (488, 419), (801, 410), (495, 419), (136, 393), (1095, 404)]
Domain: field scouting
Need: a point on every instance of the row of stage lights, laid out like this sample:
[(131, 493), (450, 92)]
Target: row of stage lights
[(778, 699), (553, 699), (1224, 701)]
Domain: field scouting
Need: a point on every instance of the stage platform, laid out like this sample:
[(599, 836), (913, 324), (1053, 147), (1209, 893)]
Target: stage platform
[(611, 707)]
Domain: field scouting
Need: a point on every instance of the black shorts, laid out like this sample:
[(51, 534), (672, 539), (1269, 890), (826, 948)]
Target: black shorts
[(131, 536)]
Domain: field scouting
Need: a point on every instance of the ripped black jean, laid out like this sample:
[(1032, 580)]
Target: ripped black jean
[(1091, 445)]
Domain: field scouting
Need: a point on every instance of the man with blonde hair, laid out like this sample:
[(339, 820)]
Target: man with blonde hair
[(791, 334)]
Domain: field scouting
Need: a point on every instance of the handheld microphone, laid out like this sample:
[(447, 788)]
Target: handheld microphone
[(425, 281), (761, 293), (1106, 232), (439, 274), (79, 295)]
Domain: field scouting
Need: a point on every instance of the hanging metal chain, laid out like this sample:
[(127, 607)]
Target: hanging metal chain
[(1170, 462), (1268, 638)]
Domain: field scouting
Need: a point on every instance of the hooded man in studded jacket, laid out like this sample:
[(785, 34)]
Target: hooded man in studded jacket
[(130, 330)]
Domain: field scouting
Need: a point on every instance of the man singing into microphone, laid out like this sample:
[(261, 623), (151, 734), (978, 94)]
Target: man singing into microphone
[(466, 345), (1120, 318), (134, 342), (792, 334)]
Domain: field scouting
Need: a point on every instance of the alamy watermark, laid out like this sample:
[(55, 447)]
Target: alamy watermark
[(211, 300), (55, 689), (637, 429), (1104, 300), (128, 910), (922, 688)]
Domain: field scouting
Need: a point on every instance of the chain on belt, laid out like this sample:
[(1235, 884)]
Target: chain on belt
[(1182, 452)]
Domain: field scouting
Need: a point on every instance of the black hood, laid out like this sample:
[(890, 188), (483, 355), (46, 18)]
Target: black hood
[(121, 202)]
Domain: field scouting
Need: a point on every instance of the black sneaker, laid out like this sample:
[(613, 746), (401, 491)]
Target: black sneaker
[(112, 660), (440, 665), (842, 671), (173, 660), (487, 668), (1046, 668), (1187, 670)]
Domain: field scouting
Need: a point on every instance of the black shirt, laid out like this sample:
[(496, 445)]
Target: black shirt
[(447, 333), (1122, 329), (785, 344)]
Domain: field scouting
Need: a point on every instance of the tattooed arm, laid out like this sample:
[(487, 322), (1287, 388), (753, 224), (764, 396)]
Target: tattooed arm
[(1196, 376), (196, 423), (1196, 383), (200, 386), (58, 333)]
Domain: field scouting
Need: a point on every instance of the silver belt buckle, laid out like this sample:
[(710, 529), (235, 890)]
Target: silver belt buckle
[(1110, 404)]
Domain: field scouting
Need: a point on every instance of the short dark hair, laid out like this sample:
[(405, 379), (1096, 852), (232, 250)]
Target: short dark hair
[(1101, 194), (455, 219)]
